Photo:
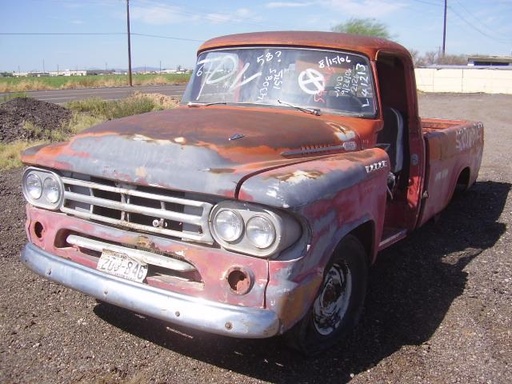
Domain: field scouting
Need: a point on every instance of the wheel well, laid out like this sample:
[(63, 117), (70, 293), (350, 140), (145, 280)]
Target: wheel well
[(462, 182), (365, 234)]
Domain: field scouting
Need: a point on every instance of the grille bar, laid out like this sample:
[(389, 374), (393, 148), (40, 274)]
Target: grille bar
[(131, 208), (142, 210), (144, 256)]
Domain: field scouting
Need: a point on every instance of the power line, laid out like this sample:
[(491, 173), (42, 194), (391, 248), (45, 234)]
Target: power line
[(428, 3), (478, 21), (95, 34), (167, 37), (474, 25), (61, 33)]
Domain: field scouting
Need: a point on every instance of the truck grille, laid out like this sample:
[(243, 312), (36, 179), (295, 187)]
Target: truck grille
[(142, 209)]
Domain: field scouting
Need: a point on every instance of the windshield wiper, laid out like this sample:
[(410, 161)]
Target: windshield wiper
[(311, 111), (195, 104)]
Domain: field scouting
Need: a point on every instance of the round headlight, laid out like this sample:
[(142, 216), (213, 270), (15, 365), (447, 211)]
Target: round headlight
[(261, 232), (228, 225), (51, 190), (33, 186)]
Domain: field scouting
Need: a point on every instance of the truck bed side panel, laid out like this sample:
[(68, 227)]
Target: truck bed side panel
[(453, 147)]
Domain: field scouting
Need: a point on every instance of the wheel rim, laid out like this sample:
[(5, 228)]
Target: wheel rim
[(333, 299)]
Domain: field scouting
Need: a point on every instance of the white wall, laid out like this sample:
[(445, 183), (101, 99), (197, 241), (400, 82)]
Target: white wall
[(464, 80)]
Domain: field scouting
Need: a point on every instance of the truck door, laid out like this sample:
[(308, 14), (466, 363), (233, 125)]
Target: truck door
[(400, 136)]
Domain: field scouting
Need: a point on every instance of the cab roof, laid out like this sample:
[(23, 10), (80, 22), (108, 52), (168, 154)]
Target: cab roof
[(367, 45)]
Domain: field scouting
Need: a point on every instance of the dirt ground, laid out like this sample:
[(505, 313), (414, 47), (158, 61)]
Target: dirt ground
[(438, 308), (41, 114)]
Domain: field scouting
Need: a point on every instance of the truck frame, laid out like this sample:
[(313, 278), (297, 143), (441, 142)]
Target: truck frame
[(256, 207)]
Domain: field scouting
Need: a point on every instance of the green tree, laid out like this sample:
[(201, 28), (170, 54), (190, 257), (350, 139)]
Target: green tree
[(367, 27)]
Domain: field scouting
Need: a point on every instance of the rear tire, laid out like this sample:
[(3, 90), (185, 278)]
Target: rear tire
[(339, 301)]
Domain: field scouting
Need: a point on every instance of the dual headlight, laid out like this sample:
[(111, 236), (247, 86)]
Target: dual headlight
[(251, 229), (42, 188)]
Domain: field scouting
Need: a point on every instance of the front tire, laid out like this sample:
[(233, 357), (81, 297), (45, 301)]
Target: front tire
[(338, 303)]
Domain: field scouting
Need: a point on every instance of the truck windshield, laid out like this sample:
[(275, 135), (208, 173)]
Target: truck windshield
[(331, 81)]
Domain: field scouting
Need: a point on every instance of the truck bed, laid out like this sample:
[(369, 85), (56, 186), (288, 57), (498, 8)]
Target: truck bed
[(454, 153), (432, 125)]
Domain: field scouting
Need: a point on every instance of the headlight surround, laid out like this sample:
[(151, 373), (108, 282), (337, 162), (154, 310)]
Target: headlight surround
[(42, 188), (252, 229)]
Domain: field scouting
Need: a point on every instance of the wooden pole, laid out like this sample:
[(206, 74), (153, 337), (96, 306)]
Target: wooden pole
[(444, 27), (129, 43)]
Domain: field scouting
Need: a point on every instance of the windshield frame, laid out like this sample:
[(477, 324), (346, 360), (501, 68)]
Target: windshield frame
[(317, 77)]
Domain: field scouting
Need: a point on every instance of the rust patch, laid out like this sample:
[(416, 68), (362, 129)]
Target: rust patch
[(298, 176), (240, 281), (144, 242)]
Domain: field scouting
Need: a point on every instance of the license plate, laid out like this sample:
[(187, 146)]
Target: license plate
[(121, 265)]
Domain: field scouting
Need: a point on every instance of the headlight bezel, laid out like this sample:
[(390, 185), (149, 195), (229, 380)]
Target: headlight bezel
[(285, 229), (50, 183)]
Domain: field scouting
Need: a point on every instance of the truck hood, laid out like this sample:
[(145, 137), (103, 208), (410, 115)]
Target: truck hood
[(208, 149)]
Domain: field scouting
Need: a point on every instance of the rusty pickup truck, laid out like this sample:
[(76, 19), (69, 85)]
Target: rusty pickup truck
[(256, 207)]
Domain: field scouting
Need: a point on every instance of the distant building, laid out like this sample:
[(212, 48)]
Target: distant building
[(38, 74), (490, 61), (65, 72), (99, 72), (68, 72)]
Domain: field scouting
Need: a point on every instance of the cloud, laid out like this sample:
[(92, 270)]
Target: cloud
[(288, 4), (158, 14), (162, 14), (364, 8), (237, 16), (347, 8)]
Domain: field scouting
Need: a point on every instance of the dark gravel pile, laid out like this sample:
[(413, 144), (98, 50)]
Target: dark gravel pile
[(438, 309), (44, 116)]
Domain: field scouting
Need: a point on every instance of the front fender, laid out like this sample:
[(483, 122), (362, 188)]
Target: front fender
[(332, 196), (298, 186)]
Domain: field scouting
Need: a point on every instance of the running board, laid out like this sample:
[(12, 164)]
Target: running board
[(391, 236)]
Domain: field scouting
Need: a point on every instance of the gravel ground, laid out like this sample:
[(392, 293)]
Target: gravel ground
[(438, 308)]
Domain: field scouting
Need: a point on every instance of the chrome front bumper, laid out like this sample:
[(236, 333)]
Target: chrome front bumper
[(192, 312)]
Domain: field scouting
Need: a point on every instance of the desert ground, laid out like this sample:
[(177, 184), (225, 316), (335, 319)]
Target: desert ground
[(439, 305)]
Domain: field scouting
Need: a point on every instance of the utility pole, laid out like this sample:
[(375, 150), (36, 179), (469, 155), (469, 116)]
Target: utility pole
[(444, 26), (129, 43)]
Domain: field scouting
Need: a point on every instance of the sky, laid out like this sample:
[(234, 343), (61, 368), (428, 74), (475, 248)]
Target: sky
[(53, 35)]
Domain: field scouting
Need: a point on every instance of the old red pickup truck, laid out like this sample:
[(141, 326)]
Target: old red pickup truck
[(256, 207)]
